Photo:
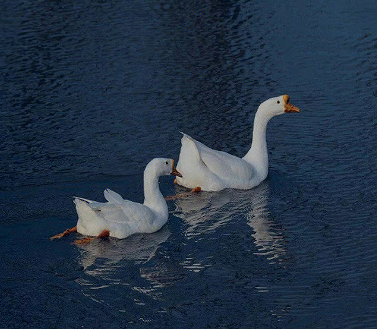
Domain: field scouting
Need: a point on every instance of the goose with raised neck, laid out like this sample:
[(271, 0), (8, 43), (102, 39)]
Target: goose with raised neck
[(121, 218), (153, 198), (214, 170)]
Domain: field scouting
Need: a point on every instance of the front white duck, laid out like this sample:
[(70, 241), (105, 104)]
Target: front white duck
[(213, 170), (121, 218)]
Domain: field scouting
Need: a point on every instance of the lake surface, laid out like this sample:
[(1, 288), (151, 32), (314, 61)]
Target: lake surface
[(91, 91)]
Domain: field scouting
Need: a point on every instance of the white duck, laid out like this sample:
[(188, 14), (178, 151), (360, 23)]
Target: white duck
[(121, 218), (213, 170)]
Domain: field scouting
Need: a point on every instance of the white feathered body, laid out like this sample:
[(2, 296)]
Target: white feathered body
[(123, 218), (215, 170)]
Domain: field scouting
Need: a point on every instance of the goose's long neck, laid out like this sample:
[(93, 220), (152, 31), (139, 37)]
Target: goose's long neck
[(153, 197), (258, 154)]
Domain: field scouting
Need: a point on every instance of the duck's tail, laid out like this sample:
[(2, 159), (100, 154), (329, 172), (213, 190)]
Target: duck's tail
[(81, 199), (90, 220), (189, 149), (112, 196), (190, 163), (83, 208)]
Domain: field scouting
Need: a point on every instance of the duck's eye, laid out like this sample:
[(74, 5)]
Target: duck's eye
[(278, 102), (167, 162)]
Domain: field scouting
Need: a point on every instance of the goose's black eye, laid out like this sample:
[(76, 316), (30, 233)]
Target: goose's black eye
[(167, 162), (278, 102)]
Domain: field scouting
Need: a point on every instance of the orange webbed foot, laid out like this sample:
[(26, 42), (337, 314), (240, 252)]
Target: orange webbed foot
[(65, 233), (197, 189), (84, 240), (102, 235)]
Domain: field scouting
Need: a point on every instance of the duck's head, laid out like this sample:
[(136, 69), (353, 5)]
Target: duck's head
[(163, 167), (278, 105)]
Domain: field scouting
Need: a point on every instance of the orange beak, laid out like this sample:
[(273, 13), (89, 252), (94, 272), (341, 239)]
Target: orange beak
[(288, 107), (174, 171)]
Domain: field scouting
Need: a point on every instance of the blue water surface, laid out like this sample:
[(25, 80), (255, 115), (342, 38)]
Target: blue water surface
[(90, 91)]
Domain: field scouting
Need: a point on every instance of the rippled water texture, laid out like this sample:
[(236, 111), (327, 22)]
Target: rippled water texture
[(91, 91)]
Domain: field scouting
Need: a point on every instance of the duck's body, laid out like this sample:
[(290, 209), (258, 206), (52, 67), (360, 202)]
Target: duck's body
[(214, 170), (122, 218)]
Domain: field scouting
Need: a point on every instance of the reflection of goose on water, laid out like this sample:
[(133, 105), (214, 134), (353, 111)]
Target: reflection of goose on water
[(267, 237), (104, 261), (205, 212), (138, 247)]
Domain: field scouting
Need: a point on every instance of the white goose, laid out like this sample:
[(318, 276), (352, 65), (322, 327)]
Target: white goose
[(213, 170), (121, 218)]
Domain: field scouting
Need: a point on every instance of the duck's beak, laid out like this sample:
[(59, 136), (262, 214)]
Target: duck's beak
[(288, 107), (174, 171)]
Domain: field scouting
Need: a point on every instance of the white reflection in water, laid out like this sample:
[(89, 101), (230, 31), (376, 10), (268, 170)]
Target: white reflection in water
[(112, 262), (206, 212), (104, 262), (268, 238), (138, 247)]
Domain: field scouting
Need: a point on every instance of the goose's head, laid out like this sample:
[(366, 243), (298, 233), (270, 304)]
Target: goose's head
[(162, 167), (278, 105)]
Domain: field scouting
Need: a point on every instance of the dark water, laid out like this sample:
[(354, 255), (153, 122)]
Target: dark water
[(90, 91)]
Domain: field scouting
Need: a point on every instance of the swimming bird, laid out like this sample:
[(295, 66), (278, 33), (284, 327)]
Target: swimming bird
[(213, 170), (121, 218)]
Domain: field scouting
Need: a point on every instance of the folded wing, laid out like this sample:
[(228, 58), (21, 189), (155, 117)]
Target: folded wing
[(224, 165)]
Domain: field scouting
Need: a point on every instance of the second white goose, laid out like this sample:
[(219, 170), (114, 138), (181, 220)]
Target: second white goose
[(213, 170)]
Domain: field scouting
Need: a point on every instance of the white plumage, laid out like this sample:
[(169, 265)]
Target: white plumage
[(213, 170), (123, 218)]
